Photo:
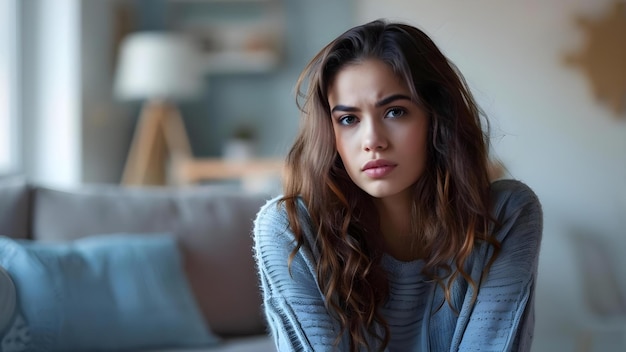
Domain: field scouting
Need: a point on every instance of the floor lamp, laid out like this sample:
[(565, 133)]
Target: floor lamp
[(159, 69)]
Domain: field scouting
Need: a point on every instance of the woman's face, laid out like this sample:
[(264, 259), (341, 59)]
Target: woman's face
[(380, 133)]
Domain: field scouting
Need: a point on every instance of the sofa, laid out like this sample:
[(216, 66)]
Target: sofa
[(211, 226)]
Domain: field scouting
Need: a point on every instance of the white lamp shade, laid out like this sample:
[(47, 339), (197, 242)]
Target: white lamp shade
[(158, 65)]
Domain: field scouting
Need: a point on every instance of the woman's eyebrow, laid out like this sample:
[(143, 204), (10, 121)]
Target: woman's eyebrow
[(387, 100), (344, 108)]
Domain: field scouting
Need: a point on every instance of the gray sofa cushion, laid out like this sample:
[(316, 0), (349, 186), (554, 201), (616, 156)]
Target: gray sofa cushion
[(14, 207), (213, 225)]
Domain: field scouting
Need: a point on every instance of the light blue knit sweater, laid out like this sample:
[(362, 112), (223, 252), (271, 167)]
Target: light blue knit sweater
[(502, 318)]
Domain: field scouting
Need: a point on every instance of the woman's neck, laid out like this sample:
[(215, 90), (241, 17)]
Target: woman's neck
[(395, 227)]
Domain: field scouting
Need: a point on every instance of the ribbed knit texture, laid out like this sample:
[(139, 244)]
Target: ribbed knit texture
[(501, 319), (406, 306)]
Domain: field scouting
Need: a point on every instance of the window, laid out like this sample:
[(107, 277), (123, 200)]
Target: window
[(8, 86)]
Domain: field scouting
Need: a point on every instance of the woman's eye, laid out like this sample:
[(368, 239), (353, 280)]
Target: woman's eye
[(347, 120), (395, 113)]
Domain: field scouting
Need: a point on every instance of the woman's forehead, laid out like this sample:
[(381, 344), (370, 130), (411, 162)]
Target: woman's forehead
[(368, 80)]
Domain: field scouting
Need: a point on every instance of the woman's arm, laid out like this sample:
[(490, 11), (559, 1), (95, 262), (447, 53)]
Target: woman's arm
[(293, 303), (502, 318)]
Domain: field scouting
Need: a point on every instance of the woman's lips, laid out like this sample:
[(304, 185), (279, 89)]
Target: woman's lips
[(378, 168)]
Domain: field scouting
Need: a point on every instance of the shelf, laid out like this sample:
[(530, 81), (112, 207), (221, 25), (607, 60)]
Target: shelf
[(241, 62), (235, 36)]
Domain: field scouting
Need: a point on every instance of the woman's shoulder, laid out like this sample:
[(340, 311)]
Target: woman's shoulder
[(272, 211), (273, 237), (510, 186), (275, 209), (515, 205), (272, 220), (508, 195)]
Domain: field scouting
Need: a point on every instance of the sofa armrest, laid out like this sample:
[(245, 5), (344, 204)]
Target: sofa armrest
[(14, 207)]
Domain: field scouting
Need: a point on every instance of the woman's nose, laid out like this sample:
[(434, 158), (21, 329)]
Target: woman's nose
[(374, 137)]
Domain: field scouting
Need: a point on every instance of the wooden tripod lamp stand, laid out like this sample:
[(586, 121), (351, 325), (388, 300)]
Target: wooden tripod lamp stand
[(158, 68), (160, 141)]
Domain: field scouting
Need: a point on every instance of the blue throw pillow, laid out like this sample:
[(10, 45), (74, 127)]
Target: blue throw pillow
[(110, 292)]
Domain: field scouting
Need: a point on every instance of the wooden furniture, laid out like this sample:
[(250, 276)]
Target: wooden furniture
[(160, 154), (160, 142), (195, 170)]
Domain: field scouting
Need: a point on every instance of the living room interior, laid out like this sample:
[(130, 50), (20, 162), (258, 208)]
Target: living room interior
[(544, 73)]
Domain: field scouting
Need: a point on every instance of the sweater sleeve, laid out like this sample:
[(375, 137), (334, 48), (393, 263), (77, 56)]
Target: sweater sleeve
[(293, 303), (502, 318)]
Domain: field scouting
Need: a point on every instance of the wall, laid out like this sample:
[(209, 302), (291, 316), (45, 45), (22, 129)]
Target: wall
[(107, 124), (547, 128)]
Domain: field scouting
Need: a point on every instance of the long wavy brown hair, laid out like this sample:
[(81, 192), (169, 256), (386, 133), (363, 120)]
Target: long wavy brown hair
[(450, 212)]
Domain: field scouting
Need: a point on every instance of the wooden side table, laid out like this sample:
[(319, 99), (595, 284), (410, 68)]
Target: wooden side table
[(193, 170)]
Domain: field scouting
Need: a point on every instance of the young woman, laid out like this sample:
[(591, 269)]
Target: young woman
[(389, 235)]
